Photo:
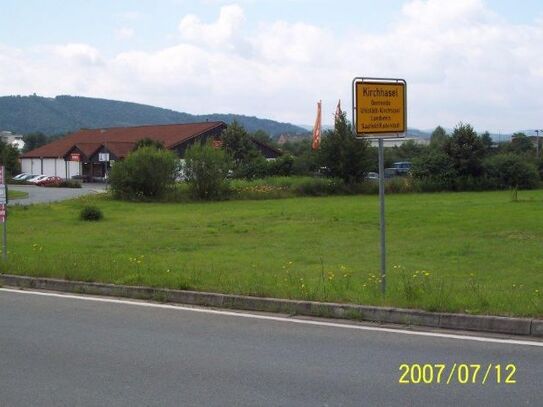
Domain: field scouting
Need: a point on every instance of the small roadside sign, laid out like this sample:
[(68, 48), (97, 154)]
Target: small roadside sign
[(379, 107), (379, 111), (3, 197), (103, 157)]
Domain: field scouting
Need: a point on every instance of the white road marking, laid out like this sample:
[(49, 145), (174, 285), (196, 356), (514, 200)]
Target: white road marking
[(278, 319)]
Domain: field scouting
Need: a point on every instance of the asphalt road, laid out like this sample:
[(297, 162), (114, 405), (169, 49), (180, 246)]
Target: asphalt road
[(74, 352), (45, 195)]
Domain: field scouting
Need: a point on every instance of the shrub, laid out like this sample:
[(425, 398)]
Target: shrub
[(147, 173), (398, 185), (316, 187), (68, 184), (256, 168), (91, 213), (434, 171), (206, 169), (510, 170), (469, 183), (282, 166)]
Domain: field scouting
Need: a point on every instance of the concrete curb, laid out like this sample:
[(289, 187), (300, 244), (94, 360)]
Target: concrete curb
[(494, 324)]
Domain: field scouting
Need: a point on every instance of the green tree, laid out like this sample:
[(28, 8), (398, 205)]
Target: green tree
[(238, 145), (34, 140), (487, 142), (466, 150), (9, 158), (206, 169), (342, 155), (147, 173), (520, 144), (262, 136), (298, 148), (148, 142), (439, 137)]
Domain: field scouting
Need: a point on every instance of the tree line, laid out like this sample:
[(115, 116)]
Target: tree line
[(462, 160)]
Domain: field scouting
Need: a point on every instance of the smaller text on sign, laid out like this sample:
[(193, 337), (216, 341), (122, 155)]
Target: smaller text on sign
[(380, 107)]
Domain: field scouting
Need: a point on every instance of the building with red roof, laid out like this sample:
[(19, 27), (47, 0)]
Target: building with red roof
[(88, 153)]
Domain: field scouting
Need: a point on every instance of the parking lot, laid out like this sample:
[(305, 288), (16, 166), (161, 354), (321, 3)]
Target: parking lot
[(44, 195)]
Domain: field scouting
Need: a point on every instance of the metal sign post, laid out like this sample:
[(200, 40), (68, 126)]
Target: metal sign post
[(104, 157), (382, 215), (379, 111)]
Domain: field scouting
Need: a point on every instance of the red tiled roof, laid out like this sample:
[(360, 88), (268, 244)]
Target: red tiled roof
[(120, 149), (265, 145), (86, 148), (118, 138)]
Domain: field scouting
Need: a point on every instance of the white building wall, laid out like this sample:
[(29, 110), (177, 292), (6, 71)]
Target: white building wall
[(60, 168), (49, 166), (26, 165), (73, 168), (36, 166)]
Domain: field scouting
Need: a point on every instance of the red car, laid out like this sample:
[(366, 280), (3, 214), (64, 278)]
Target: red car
[(50, 181)]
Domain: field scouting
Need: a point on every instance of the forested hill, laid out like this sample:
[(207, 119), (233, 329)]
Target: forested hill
[(62, 114)]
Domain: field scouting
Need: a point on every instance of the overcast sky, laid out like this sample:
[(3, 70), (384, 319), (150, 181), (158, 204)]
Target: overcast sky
[(475, 61)]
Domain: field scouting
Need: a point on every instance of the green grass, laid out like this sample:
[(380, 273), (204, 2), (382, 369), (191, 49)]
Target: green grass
[(463, 252), (17, 194)]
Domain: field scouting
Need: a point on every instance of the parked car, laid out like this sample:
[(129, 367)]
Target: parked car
[(390, 173), (402, 167), (27, 177), (37, 178), (49, 181), (372, 176), (21, 176)]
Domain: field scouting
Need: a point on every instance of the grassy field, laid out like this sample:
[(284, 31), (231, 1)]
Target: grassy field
[(17, 194), (468, 252)]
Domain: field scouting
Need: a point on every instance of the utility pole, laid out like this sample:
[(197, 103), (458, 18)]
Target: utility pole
[(537, 144)]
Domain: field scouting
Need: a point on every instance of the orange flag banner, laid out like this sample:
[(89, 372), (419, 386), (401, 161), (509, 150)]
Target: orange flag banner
[(317, 129)]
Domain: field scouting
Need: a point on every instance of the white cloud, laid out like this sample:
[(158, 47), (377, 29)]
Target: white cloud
[(217, 34), (80, 53), (125, 33), (131, 15), (461, 62)]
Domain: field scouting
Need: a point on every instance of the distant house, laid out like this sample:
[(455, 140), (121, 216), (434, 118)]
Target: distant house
[(293, 138), (84, 153), (16, 140), (269, 152), (397, 142)]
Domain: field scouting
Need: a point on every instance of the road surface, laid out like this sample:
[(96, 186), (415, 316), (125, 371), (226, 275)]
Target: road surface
[(58, 350), (45, 195)]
